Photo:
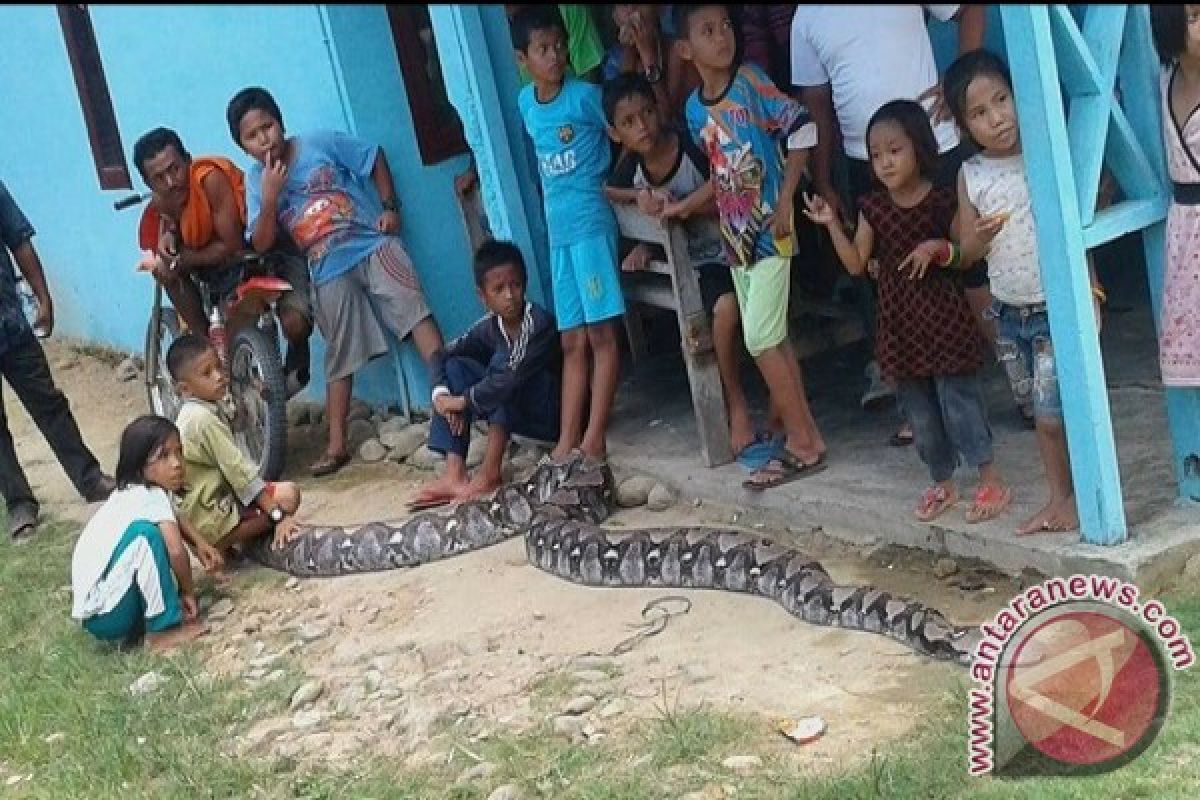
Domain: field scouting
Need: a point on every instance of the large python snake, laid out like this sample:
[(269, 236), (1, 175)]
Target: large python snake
[(558, 510)]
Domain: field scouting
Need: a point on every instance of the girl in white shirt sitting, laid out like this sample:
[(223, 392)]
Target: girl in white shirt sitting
[(131, 572)]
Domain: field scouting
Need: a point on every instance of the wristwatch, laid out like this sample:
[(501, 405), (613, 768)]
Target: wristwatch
[(390, 205), (653, 73), (276, 515)]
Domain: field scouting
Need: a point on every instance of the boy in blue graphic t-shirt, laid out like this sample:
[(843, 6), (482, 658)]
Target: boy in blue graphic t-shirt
[(333, 193), (565, 119), (740, 120)]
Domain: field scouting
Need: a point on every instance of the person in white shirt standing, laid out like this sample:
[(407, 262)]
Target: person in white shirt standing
[(850, 60)]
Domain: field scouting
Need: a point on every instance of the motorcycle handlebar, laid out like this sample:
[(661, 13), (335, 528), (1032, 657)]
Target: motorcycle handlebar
[(130, 200)]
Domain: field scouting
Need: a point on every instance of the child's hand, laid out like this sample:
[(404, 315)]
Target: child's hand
[(450, 404), (674, 210), (273, 179), (780, 224), (285, 530), (389, 222), (210, 557), (651, 201), (921, 257), (191, 610), (986, 227), (637, 259), (818, 210)]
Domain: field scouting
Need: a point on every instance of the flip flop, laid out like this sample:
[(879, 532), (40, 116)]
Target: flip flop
[(999, 497), (934, 502), (425, 505), (791, 468), (755, 455), (329, 464), (22, 523)]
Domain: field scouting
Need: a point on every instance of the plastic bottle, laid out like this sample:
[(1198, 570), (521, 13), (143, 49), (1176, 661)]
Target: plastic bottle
[(216, 333)]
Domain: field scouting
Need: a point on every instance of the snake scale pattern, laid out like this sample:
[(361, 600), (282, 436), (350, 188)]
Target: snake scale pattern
[(558, 510)]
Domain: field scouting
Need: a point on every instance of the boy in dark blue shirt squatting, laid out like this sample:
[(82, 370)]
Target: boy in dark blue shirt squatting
[(504, 369)]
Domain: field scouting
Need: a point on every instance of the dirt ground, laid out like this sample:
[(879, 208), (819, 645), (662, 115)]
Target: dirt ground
[(460, 650)]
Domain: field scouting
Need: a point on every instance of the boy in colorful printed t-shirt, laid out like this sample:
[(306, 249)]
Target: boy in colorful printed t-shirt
[(739, 119), (565, 119)]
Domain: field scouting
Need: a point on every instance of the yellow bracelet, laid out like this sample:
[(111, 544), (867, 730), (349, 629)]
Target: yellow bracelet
[(1099, 294)]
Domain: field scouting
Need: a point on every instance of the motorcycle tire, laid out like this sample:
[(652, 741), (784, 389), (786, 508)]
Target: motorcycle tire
[(161, 394), (259, 394)]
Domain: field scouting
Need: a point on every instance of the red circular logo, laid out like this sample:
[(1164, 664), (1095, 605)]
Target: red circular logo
[(1085, 688)]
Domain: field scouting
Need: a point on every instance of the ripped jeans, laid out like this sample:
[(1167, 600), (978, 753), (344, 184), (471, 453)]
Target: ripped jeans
[(1024, 348)]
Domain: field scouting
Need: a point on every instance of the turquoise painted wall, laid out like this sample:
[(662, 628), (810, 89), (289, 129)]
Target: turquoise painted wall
[(328, 67)]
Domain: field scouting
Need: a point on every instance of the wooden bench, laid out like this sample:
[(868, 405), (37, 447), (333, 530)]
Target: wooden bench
[(672, 285)]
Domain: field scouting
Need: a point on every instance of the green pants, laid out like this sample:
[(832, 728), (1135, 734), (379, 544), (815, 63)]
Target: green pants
[(139, 572)]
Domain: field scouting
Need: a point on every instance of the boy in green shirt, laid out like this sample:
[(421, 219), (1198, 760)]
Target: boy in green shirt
[(223, 499)]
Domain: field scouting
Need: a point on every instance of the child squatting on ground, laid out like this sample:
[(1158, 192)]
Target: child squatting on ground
[(223, 499), (996, 222), (504, 369), (926, 339), (130, 571), (740, 120), (668, 177), (565, 120)]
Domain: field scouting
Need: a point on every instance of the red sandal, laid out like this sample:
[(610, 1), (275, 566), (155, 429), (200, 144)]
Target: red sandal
[(990, 502), (934, 502)]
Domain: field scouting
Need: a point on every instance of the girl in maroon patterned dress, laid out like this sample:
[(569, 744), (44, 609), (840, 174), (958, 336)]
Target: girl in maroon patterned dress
[(927, 341)]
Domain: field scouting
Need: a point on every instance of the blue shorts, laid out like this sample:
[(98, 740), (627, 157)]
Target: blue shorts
[(1024, 348), (587, 286)]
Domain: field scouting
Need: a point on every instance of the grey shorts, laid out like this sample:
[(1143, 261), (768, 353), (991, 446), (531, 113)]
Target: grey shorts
[(353, 309)]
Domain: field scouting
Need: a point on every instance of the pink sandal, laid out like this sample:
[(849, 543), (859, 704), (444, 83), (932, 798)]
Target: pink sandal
[(990, 502), (934, 502)]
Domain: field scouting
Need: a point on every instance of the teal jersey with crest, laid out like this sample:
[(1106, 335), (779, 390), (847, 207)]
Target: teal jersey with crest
[(571, 141)]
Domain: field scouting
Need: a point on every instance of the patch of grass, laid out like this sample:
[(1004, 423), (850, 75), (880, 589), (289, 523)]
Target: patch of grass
[(679, 736), (553, 686)]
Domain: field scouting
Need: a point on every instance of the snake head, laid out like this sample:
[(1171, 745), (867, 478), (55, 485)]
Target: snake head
[(579, 487)]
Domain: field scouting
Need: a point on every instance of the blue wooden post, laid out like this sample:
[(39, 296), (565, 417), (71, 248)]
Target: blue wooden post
[(481, 83), (1051, 162), (1139, 80)]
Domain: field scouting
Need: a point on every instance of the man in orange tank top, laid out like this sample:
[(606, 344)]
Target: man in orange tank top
[(196, 223)]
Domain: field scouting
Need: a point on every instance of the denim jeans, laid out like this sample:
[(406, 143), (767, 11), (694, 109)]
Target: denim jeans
[(949, 420), (1024, 347)]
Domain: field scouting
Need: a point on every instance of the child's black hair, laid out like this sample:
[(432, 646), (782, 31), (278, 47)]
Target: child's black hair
[(966, 68), (183, 351), (153, 143), (253, 98), (535, 18), (914, 121), (1168, 24), (681, 16), (627, 84), (141, 440), (492, 254)]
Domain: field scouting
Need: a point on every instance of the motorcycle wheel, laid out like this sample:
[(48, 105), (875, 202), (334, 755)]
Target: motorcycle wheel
[(160, 390), (259, 395)]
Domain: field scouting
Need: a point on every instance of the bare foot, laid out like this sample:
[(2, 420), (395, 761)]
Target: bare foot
[(162, 641), (1058, 516), (741, 435), (479, 486), (443, 490)]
